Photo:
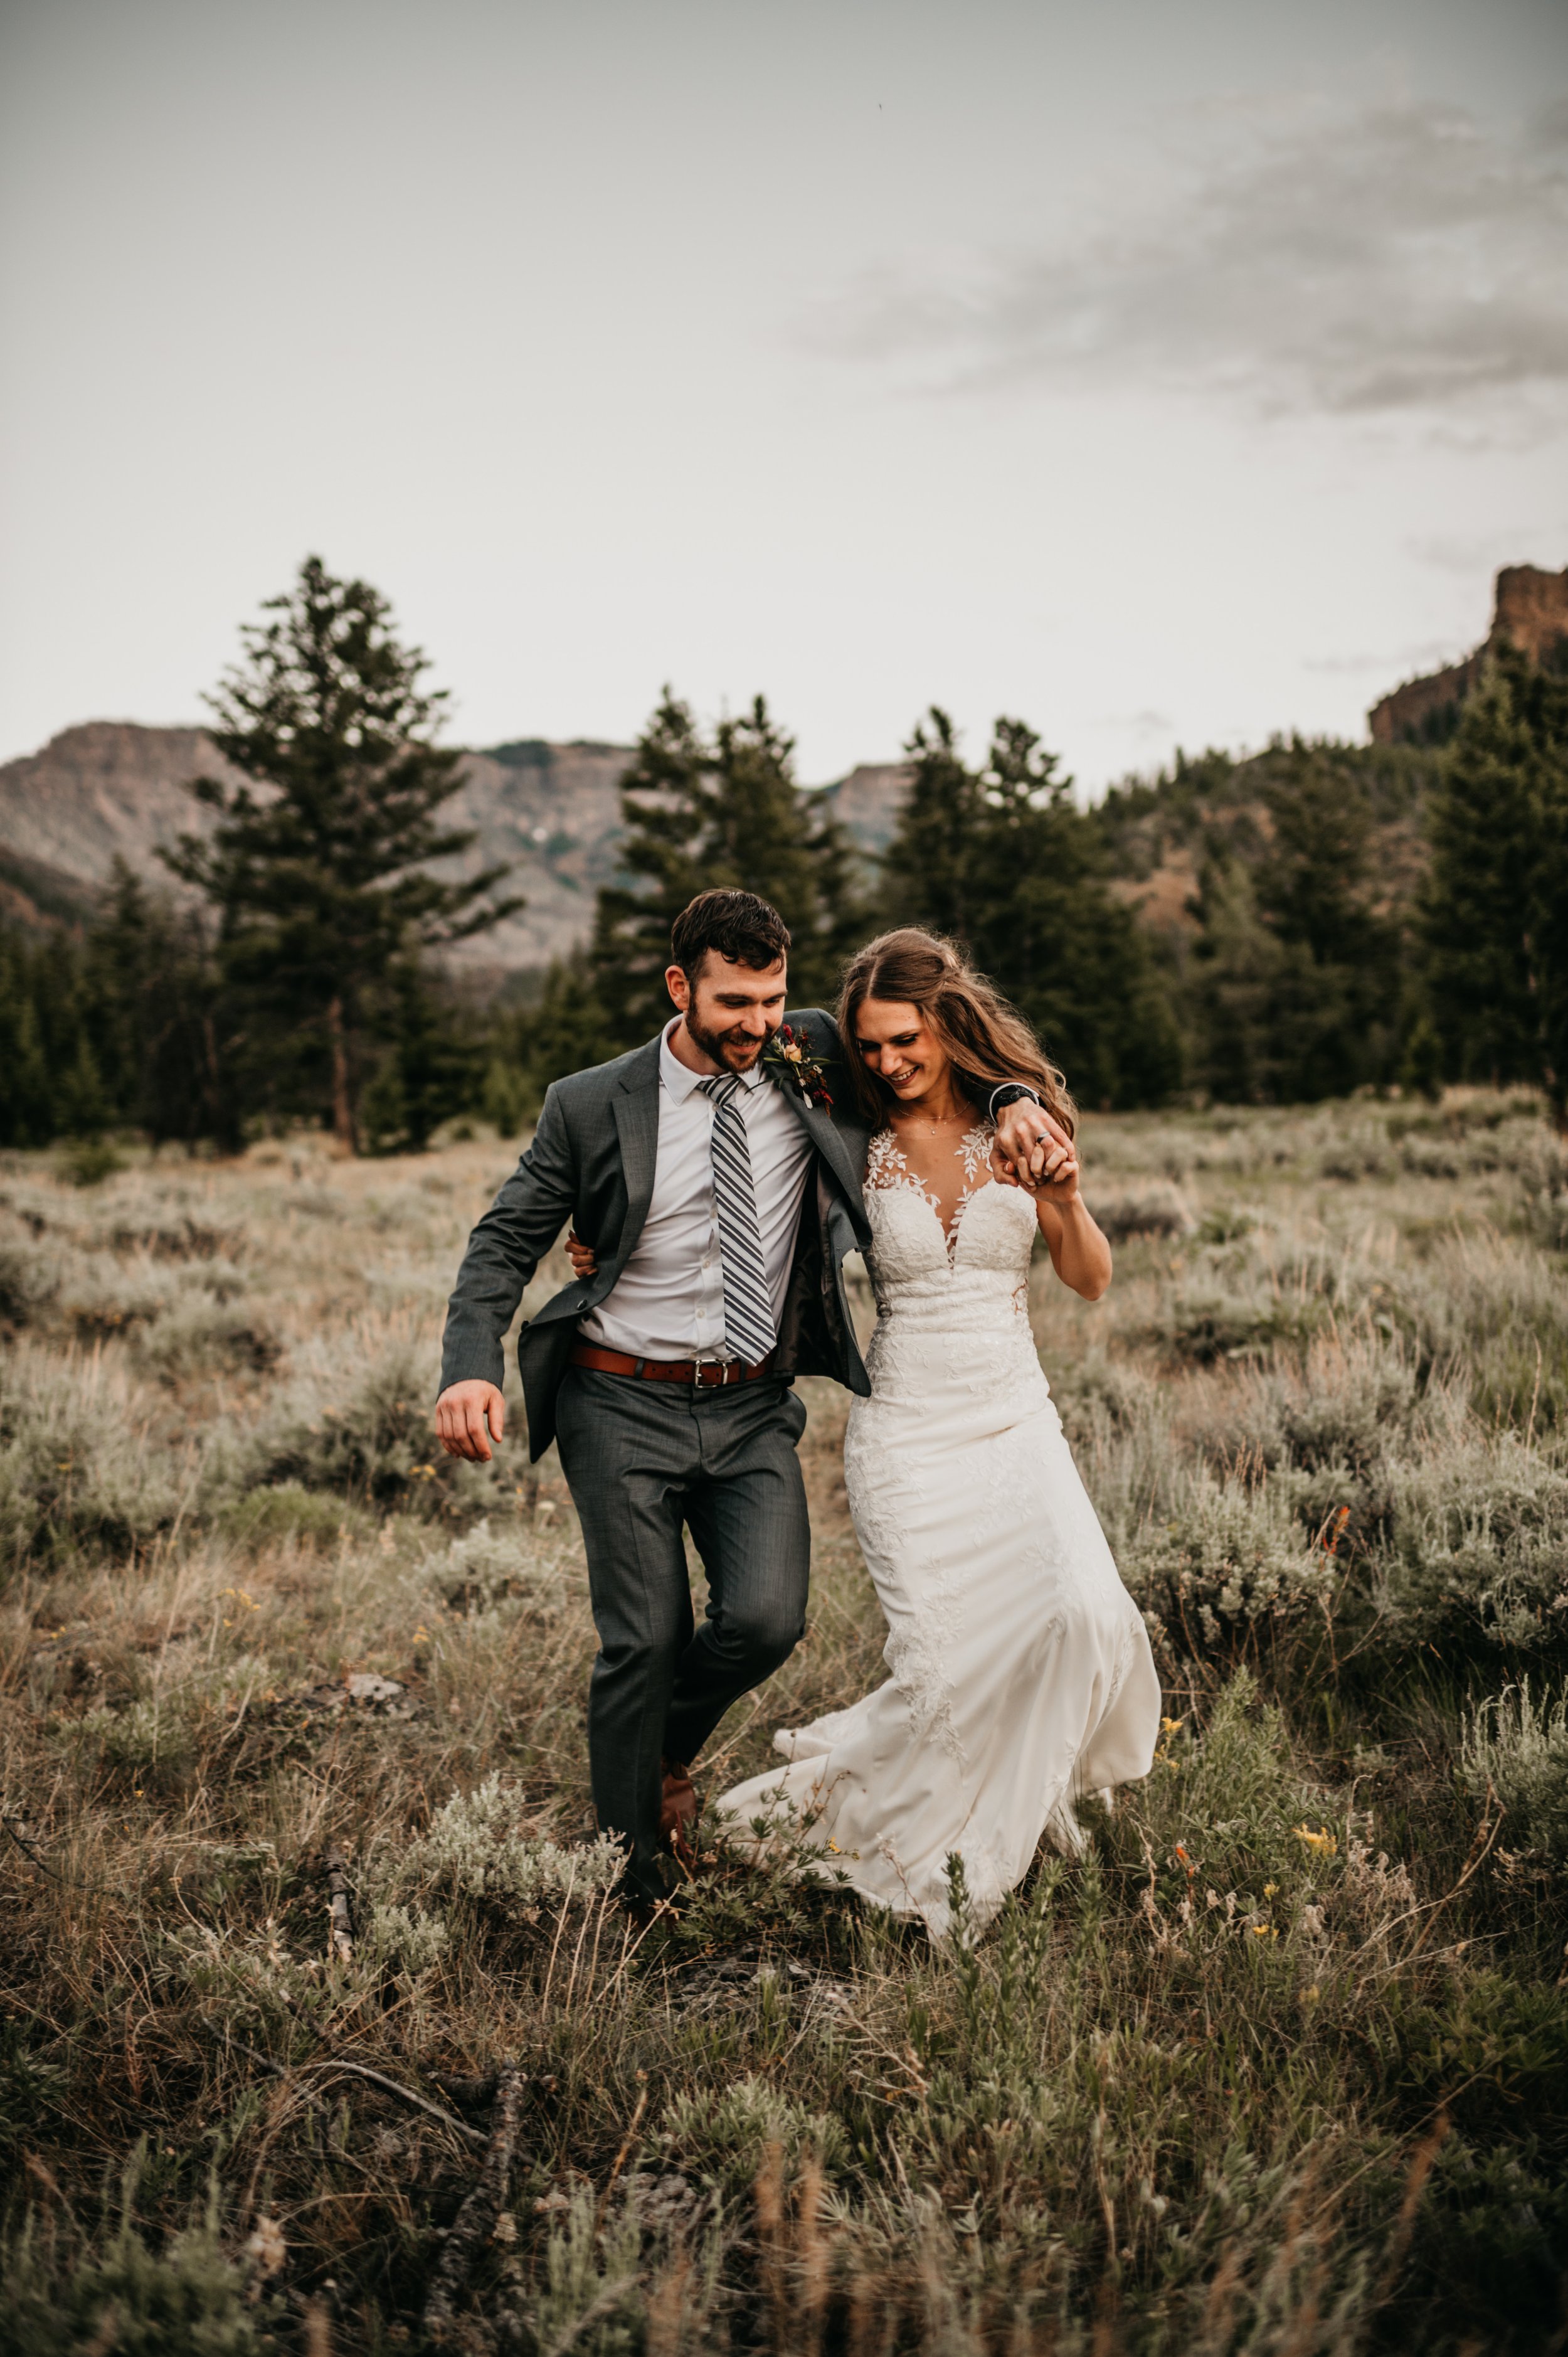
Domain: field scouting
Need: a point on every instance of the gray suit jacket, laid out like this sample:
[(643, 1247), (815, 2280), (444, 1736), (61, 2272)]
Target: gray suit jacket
[(591, 1162)]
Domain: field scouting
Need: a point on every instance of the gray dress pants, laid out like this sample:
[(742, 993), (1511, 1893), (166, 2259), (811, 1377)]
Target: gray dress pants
[(644, 1459)]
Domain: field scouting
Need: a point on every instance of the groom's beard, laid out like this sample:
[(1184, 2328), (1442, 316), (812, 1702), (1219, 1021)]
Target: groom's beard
[(733, 1052)]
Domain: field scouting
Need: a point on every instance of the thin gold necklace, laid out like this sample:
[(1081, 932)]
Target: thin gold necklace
[(952, 1122)]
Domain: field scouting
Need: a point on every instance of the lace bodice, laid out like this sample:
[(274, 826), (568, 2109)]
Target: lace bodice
[(958, 1299), (993, 1230), (888, 1170)]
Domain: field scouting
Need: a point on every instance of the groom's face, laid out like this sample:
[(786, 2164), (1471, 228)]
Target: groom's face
[(731, 1011)]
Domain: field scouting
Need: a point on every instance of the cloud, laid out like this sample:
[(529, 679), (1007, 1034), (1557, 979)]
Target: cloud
[(1303, 259)]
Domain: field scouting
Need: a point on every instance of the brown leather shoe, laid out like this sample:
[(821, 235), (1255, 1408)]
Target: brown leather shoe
[(679, 1810)]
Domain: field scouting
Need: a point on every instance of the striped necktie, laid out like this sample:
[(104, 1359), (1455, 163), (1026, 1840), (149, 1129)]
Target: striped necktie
[(749, 1331)]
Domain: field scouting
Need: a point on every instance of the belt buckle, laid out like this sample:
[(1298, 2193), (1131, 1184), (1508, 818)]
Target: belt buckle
[(705, 1360)]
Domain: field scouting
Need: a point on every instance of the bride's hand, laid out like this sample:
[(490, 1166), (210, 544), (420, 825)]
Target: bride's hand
[(1057, 1183), (1026, 1136), (583, 1257)]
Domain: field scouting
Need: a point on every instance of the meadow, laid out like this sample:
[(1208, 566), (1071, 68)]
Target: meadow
[(320, 2029)]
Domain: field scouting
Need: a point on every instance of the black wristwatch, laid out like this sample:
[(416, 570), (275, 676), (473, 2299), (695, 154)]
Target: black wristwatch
[(1010, 1093)]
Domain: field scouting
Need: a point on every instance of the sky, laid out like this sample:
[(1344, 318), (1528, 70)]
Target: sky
[(1163, 372)]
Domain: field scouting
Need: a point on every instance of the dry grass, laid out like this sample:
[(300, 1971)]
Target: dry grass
[(1282, 2068)]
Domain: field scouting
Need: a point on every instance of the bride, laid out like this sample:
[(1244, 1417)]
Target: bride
[(1021, 1675)]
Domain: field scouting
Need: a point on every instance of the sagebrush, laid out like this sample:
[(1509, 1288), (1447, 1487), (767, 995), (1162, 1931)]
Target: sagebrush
[(1281, 2066)]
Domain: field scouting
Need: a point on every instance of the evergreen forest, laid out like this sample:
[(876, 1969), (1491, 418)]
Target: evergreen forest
[(1310, 920)]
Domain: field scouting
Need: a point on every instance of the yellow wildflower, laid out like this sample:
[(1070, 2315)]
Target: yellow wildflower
[(1323, 1841)]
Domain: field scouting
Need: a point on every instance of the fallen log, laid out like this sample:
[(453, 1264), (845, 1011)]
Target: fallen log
[(476, 2221)]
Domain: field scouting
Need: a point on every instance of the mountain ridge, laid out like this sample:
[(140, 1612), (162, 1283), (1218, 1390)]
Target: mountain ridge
[(104, 789), (118, 789)]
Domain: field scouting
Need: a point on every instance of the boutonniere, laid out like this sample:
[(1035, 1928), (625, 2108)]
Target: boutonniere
[(790, 1060)]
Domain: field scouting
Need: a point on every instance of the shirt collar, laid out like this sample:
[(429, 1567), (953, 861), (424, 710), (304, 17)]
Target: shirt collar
[(680, 1080)]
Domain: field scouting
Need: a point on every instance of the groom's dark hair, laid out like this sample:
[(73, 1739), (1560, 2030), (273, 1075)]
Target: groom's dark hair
[(747, 931)]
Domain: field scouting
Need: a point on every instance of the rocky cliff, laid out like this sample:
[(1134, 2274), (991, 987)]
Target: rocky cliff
[(1530, 612), (105, 791), (115, 790), (866, 803)]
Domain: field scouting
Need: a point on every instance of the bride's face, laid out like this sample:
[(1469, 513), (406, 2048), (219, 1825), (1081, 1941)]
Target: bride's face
[(899, 1046)]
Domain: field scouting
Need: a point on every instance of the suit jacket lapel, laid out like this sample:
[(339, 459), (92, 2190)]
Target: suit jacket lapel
[(636, 1107), (821, 1128)]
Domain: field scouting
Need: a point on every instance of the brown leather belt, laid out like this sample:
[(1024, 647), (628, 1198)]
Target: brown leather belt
[(709, 1375)]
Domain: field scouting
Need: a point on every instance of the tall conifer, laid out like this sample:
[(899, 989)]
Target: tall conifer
[(1494, 917), (1004, 860), (925, 869), (700, 812), (319, 866)]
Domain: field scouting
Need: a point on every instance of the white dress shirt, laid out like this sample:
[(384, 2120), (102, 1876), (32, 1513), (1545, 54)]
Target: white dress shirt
[(668, 1300)]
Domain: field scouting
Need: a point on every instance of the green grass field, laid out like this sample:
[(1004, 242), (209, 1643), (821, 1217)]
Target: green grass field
[(1283, 2067)]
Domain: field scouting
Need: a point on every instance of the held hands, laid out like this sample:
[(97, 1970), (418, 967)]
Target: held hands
[(469, 1416), (1032, 1150)]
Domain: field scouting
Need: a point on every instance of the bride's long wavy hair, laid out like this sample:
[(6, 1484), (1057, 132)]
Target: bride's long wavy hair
[(986, 1040)]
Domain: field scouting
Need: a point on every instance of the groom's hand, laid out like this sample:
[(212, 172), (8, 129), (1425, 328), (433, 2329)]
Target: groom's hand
[(1026, 1138), (462, 1414)]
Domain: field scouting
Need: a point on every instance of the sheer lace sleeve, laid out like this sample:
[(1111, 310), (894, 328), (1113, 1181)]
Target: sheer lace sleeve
[(886, 1169)]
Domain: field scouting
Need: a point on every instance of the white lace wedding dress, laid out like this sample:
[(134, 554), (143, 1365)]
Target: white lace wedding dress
[(1021, 1673)]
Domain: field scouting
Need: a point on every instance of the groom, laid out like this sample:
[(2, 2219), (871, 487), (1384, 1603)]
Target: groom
[(719, 1187)]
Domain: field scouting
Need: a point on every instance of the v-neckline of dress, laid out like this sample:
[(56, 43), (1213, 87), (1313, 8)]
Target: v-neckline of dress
[(974, 1146)]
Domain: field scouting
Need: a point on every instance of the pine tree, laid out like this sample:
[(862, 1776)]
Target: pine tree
[(567, 1031), (1297, 985), (319, 867), (926, 868), (82, 1105), (149, 976), (1005, 861), (27, 1108), (1335, 1009), (1546, 701), (1494, 915), (1068, 954), (1234, 975), (700, 813), (431, 1065)]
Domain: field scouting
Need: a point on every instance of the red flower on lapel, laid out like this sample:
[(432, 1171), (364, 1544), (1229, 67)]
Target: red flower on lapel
[(788, 1056)]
